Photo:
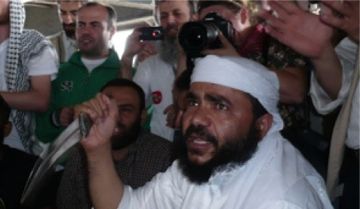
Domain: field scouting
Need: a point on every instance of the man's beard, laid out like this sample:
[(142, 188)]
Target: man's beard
[(69, 30), (168, 50), (234, 151), (127, 137)]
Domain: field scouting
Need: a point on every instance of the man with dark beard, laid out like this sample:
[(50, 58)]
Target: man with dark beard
[(137, 155), (156, 74), (235, 156), (65, 41)]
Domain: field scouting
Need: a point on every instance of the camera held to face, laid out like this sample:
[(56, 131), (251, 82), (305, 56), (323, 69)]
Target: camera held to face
[(197, 36)]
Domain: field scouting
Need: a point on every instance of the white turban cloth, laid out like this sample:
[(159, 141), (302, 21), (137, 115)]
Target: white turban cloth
[(244, 75)]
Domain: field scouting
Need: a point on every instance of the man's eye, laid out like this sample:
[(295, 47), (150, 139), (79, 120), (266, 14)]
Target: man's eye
[(125, 110), (177, 14), (163, 16), (192, 103), (221, 106)]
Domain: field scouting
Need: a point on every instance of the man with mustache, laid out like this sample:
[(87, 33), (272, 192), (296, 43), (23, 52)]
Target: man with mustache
[(137, 155), (85, 73), (65, 40), (233, 153), (156, 74)]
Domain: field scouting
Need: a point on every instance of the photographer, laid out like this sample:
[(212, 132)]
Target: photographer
[(250, 40), (157, 73)]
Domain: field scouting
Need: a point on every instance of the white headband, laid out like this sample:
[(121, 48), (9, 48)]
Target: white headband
[(244, 75)]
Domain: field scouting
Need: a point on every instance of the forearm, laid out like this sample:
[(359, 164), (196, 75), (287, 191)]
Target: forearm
[(126, 67), (106, 188), (292, 85), (328, 71), (27, 101)]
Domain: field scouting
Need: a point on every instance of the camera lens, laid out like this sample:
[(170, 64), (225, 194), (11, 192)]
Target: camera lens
[(196, 36), (156, 33)]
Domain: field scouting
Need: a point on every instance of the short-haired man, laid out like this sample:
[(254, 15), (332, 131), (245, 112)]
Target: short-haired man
[(233, 155), (156, 74), (86, 72), (65, 41), (137, 155), (28, 62)]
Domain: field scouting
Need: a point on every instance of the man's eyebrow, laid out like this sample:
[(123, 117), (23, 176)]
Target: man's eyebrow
[(190, 95), (217, 98), (125, 105)]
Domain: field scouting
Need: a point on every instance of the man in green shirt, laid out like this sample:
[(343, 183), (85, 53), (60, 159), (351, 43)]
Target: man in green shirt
[(84, 74)]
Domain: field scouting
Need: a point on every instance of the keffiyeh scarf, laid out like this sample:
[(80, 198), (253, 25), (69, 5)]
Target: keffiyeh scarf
[(23, 46)]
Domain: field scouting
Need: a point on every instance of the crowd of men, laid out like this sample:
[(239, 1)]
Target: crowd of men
[(223, 129)]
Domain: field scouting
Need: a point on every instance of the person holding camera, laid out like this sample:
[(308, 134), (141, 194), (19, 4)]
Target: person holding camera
[(157, 73), (249, 39)]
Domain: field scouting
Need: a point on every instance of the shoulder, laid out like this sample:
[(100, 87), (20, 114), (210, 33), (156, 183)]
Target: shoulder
[(34, 37), (33, 42), (149, 138), (154, 144)]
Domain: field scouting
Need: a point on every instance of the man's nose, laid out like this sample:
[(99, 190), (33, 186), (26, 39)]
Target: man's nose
[(67, 18), (200, 117), (171, 19)]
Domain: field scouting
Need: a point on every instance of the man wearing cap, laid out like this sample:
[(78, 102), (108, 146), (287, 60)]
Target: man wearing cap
[(233, 153)]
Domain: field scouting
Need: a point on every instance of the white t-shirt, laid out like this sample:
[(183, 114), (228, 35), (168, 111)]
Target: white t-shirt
[(44, 64), (92, 64), (156, 78), (347, 52), (276, 177)]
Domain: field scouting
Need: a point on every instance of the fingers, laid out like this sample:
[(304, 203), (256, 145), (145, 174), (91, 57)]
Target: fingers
[(272, 21), (284, 7), (66, 116), (168, 108), (339, 7), (226, 50), (342, 15), (178, 119)]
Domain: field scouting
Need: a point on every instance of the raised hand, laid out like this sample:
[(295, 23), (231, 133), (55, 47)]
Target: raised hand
[(104, 116), (344, 15), (66, 116), (300, 30)]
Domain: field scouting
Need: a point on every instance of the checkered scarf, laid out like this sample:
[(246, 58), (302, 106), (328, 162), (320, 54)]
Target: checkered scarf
[(24, 45), (17, 20)]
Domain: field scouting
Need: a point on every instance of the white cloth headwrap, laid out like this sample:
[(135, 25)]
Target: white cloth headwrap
[(244, 75), (17, 20)]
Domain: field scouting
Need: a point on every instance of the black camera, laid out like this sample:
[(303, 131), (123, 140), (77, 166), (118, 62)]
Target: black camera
[(197, 36), (151, 33)]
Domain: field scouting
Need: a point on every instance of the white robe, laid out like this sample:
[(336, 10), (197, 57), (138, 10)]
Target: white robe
[(277, 176)]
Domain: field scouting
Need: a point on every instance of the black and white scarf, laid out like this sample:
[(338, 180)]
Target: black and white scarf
[(17, 20), (23, 46)]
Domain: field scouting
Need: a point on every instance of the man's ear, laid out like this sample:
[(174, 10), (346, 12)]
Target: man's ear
[(143, 117), (263, 124), (7, 129), (112, 30), (244, 15), (194, 17)]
